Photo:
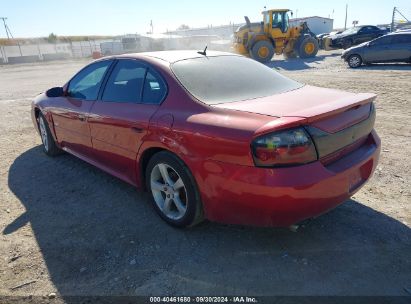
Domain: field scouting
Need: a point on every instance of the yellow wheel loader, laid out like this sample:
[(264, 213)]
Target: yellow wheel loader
[(274, 35)]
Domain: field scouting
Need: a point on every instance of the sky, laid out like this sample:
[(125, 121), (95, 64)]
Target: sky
[(36, 18)]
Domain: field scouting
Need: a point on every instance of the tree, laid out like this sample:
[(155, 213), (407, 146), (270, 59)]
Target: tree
[(183, 27), (52, 38)]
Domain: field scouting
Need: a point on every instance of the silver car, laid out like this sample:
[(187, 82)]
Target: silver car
[(394, 47)]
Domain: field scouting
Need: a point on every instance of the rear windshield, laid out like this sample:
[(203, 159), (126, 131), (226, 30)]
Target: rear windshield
[(224, 79)]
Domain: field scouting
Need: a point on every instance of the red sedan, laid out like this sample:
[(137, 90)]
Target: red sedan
[(214, 136)]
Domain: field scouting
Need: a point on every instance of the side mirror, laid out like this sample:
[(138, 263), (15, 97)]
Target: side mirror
[(55, 92)]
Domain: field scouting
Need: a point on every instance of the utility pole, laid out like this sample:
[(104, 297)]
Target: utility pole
[(9, 34), (392, 20), (346, 14), (5, 26)]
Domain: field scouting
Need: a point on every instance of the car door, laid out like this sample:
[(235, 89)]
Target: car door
[(363, 35), (401, 47), (70, 112), (120, 119), (375, 32), (378, 50)]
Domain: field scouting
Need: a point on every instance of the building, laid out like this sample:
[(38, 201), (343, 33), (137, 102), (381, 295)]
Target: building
[(318, 25), (223, 31)]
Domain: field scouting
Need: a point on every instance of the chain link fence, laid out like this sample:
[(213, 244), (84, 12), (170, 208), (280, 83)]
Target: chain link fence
[(36, 52)]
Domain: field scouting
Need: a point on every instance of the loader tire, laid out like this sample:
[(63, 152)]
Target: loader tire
[(308, 47), (262, 51)]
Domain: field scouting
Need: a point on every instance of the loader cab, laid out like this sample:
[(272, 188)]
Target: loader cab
[(276, 22)]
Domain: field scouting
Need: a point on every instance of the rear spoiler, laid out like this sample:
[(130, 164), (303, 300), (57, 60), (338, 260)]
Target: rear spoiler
[(306, 116)]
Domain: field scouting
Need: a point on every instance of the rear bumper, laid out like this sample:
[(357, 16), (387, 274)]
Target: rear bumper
[(283, 196)]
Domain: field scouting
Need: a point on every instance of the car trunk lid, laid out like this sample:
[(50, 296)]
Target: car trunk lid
[(334, 119), (312, 103)]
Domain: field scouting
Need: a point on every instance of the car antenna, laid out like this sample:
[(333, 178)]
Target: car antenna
[(204, 53)]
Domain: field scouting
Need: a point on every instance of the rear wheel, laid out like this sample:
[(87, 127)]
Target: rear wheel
[(262, 51), (49, 145), (175, 195), (308, 47), (354, 61)]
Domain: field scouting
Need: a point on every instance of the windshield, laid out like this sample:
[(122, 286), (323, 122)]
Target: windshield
[(223, 79), (352, 30)]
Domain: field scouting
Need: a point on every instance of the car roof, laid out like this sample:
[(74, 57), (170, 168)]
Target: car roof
[(174, 56), (399, 33), (366, 25)]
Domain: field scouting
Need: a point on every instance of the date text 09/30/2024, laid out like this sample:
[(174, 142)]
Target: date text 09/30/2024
[(236, 299)]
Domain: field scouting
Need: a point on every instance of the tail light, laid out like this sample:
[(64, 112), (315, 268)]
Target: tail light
[(284, 148)]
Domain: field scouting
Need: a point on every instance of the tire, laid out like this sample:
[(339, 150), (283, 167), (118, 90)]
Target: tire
[(49, 145), (354, 61), (308, 47), (262, 51), (347, 44), (174, 192)]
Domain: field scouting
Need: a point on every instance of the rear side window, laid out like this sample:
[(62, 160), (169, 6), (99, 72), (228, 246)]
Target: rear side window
[(125, 83), (86, 84), (154, 88)]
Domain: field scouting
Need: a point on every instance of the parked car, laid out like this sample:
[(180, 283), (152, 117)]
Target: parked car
[(214, 135), (356, 35), (320, 37), (394, 47)]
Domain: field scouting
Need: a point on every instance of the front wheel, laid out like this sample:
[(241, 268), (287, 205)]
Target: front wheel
[(49, 145), (354, 61), (262, 51), (175, 195), (308, 48)]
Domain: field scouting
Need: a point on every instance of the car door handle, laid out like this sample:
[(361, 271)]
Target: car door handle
[(82, 117), (137, 130)]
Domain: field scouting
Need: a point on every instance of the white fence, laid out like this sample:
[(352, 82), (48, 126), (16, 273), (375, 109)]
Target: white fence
[(26, 53)]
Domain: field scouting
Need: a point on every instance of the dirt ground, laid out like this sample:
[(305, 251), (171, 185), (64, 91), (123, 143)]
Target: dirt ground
[(70, 229)]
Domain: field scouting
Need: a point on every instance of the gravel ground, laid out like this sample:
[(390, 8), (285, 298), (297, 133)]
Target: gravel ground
[(70, 229)]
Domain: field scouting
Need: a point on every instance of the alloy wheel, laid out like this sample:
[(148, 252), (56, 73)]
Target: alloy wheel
[(43, 133), (169, 191), (354, 61)]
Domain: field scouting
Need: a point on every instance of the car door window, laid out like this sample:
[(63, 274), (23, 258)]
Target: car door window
[(86, 84), (401, 39), (154, 88), (125, 83), (381, 41)]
